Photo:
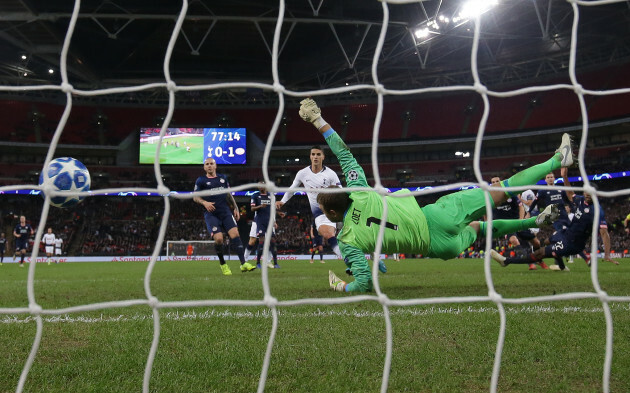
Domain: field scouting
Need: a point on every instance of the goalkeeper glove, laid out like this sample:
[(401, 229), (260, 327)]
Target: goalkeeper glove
[(309, 111), (336, 284)]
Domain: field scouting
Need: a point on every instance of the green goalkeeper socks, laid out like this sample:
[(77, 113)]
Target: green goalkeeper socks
[(533, 174), (505, 227)]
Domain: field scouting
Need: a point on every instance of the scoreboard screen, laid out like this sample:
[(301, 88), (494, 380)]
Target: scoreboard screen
[(191, 146)]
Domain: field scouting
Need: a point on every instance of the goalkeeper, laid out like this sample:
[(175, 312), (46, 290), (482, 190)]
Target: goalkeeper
[(439, 230)]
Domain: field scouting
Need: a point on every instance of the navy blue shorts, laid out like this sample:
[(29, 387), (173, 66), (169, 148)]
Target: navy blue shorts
[(21, 244), (261, 228), (318, 241), (217, 222), (560, 247)]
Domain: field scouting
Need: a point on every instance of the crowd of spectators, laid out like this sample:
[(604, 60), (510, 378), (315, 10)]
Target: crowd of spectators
[(130, 226)]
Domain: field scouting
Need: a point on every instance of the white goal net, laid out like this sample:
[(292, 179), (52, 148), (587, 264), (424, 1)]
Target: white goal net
[(196, 248), (190, 248)]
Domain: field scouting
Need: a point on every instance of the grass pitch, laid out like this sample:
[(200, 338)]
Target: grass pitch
[(549, 346)]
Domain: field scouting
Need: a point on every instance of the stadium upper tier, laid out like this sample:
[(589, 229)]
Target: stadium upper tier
[(419, 117)]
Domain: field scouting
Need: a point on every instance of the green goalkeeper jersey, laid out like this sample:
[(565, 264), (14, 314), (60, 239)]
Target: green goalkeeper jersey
[(406, 228)]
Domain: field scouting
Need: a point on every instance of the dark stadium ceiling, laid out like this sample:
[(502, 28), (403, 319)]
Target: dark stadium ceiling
[(323, 44)]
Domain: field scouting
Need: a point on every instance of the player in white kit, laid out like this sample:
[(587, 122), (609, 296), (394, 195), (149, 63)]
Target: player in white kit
[(314, 177), (49, 243), (58, 245)]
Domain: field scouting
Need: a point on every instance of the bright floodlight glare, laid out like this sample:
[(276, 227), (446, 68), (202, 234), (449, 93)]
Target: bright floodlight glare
[(23, 57), (473, 8), (51, 71), (422, 33)]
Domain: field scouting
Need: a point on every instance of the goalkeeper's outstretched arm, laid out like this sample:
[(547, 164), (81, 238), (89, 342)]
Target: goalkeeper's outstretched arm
[(355, 177), (360, 267)]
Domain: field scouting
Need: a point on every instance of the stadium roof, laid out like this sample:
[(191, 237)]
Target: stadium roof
[(322, 44)]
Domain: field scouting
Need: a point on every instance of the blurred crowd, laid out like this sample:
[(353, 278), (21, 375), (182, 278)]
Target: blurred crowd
[(129, 226)]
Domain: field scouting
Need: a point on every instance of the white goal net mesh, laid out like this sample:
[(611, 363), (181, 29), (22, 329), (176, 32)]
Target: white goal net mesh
[(190, 248), (268, 300)]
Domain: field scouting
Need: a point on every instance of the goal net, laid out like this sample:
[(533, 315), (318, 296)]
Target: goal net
[(274, 306), (196, 249)]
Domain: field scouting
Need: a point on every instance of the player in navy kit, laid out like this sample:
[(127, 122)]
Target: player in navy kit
[(252, 245), (261, 204), (3, 247), (561, 198), (568, 241), (318, 244), (513, 209), (21, 233), (220, 214)]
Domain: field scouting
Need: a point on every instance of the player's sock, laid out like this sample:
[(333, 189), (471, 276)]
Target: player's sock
[(21, 258), (274, 252), (248, 251), (504, 227), (521, 260), (532, 174), (240, 250), (560, 263), (321, 257), (218, 248), (335, 246), (259, 253)]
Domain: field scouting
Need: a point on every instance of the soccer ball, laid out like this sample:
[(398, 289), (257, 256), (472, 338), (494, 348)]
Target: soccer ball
[(66, 174)]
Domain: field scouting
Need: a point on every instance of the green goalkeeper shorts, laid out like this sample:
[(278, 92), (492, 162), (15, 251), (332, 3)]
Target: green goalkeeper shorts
[(448, 220)]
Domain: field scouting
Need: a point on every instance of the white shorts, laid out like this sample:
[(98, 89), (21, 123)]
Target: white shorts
[(50, 249), (323, 220), (253, 232), (57, 251)]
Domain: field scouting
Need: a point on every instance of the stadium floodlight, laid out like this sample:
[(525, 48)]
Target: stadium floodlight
[(449, 21), (473, 8), (422, 32)]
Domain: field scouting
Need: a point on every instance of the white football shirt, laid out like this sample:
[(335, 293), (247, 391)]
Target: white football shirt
[(309, 179), (48, 239)]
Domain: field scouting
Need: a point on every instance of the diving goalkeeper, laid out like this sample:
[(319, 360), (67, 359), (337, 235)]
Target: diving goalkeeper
[(439, 230)]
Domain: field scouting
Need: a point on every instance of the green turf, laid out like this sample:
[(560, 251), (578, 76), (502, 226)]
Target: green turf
[(549, 347)]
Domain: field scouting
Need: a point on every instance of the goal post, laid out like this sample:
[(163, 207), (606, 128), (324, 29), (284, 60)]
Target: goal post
[(193, 249)]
